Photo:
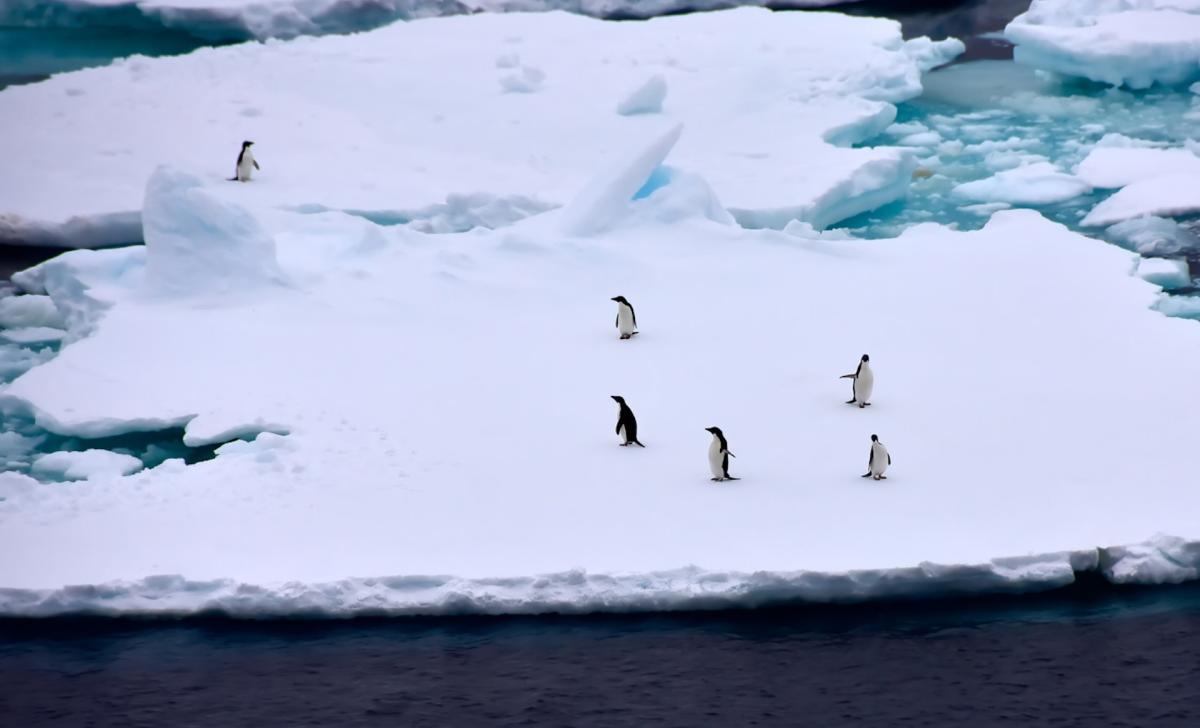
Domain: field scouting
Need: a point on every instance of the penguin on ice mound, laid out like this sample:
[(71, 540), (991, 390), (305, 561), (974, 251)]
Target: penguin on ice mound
[(246, 164), (718, 455), (864, 382), (879, 461), (626, 423), (626, 318)]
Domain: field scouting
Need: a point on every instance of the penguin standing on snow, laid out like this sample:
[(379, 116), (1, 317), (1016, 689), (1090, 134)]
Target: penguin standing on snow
[(626, 318), (718, 455), (246, 164), (626, 424), (864, 382), (879, 461)]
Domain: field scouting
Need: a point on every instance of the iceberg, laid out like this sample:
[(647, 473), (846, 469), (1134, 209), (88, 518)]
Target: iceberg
[(1135, 43)]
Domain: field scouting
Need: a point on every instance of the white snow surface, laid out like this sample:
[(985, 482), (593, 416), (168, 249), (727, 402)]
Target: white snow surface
[(449, 441), (1168, 195), (1136, 43), (1039, 183), (432, 117)]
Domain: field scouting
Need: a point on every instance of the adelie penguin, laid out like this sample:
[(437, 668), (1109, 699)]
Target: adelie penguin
[(626, 318), (718, 455), (246, 164), (879, 461), (864, 382), (626, 423)]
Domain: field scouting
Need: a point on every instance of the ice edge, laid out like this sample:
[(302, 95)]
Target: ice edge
[(1161, 560)]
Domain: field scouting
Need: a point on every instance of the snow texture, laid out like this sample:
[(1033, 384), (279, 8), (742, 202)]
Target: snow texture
[(85, 464), (771, 102), (1168, 195), (29, 311), (1040, 183), (1136, 43)]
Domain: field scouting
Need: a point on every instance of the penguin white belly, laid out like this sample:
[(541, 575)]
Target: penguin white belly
[(625, 320), (245, 167), (716, 459), (879, 459), (621, 434), (864, 385)]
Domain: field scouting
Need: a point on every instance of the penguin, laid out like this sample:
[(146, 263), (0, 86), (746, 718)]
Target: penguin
[(879, 461), (626, 423), (864, 383), (718, 455), (626, 318), (246, 164)]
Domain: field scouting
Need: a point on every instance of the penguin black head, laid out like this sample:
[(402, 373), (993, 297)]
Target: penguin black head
[(619, 299), (246, 145), (866, 358), (619, 399), (714, 430), (874, 438)]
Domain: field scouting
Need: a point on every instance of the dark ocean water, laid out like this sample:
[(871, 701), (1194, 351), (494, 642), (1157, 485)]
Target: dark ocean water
[(1083, 658)]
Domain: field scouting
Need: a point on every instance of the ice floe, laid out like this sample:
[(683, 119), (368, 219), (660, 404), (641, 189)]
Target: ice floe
[(1136, 43), (769, 101)]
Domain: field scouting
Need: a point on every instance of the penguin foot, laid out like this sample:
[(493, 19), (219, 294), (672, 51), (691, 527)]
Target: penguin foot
[(716, 480), (624, 336), (861, 405), (624, 444)]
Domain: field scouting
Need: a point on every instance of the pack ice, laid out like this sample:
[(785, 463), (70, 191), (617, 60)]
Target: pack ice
[(500, 114), (1135, 43)]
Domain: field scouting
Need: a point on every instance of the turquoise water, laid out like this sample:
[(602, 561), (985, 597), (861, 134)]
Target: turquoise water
[(978, 118), (32, 54)]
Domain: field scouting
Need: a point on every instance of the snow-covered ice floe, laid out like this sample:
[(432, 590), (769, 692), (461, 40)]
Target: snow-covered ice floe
[(510, 106), (449, 444), (1136, 43), (262, 19)]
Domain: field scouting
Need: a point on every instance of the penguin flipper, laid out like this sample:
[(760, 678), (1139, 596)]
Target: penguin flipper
[(889, 458), (617, 321), (848, 376), (256, 164), (866, 475)]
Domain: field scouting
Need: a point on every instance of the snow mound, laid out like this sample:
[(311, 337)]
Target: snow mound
[(1040, 183), (1136, 43), (1169, 195), (645, 99), (1109, 166), (197, 243), (772, 101), (1170, 273), (85, 465)]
